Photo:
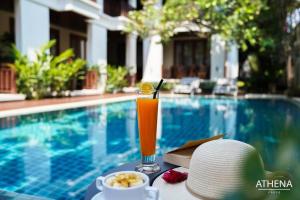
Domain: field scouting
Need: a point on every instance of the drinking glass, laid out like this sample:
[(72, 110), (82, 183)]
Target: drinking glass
[(147, 107)]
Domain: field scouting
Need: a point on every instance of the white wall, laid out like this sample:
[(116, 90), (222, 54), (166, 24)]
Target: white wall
[(32, 25), (217, 57), (152, 59)]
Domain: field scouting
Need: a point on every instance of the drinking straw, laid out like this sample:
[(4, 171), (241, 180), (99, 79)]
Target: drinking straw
[(157, 88)]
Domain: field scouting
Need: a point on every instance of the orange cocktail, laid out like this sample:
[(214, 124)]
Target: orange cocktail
[(147, 120), (147, 106)]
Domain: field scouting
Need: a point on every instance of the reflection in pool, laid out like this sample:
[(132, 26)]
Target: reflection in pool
[(58, 154)]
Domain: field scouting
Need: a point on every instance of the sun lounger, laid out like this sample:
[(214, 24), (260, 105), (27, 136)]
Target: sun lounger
[(188, 85), (226, 87)]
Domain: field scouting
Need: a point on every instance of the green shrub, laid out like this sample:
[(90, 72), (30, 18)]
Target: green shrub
[(167, 86), (116, 78), (45, 75)]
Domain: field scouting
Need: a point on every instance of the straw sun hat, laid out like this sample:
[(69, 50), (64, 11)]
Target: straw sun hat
[(215, 170)]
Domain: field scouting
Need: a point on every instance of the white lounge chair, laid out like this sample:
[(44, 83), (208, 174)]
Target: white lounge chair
[(226, 87), (188, 85)]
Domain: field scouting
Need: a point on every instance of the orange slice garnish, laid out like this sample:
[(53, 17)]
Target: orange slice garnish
[(146, 88)]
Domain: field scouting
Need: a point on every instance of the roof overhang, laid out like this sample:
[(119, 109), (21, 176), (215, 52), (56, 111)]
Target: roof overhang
[(188, 27), (111, 23), (86, 8)]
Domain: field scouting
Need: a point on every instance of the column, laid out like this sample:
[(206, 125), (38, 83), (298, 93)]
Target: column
[(232, 61), (32, 25), (217, 57), (131, 44), (152, 59), (153, 56), (101, 5), (97, 50), (132, 3)]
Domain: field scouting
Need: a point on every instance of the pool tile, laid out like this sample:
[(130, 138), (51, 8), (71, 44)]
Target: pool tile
[(42, 152)]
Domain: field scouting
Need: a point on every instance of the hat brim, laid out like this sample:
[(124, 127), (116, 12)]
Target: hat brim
[(179, 191), (176, 191)]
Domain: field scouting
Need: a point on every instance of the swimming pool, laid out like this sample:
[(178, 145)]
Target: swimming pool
[(58, 154)]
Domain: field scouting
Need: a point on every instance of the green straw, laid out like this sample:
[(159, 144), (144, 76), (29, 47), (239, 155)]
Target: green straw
[(157, 88)]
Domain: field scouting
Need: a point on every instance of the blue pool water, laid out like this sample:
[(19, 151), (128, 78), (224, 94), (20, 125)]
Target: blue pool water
[(58, 154)]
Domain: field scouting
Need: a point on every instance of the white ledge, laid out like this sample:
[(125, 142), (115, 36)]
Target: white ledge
[(110, 23), (12, 97), (62, 106), (86, 8)]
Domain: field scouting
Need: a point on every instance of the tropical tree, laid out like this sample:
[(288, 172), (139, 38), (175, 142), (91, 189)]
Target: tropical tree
[(260, 27), (233, 19), (274, 49)]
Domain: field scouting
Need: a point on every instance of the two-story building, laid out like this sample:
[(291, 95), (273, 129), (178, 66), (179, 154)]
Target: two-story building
[(94, 29)]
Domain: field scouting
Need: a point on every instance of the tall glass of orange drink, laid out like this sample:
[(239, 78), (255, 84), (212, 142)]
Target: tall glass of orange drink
[(147, 121)]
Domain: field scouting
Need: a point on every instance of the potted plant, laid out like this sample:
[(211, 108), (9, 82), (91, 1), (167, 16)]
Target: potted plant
[(47, 75), (7, 72), (91, 77)]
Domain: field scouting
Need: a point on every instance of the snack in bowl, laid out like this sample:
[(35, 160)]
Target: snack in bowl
[(126, 185), (125, 180)]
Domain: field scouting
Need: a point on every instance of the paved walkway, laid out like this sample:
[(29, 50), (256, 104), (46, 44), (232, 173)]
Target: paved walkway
[(34, 103)]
